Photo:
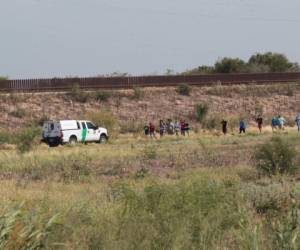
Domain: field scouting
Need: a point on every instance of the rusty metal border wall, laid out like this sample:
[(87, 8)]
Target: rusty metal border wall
[(65, 84)]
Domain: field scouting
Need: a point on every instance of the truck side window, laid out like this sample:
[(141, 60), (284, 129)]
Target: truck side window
[(78, 125), (90, 125), (83, 125)]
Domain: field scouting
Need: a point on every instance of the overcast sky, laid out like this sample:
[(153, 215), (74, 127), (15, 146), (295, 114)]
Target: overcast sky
[(47, 38)]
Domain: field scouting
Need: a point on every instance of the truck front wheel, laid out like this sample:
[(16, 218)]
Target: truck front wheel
[(103, 139)]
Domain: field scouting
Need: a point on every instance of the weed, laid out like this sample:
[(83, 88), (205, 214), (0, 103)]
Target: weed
[(150, 152), (184, 89), (285, 230), (27, 138), (141, 173), (103, 95), (138, 93), (18, 112), (201, 111), (17, 233), (79, 95), (206, 194)]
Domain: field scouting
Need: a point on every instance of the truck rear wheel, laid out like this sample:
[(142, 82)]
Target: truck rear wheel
[(73, 140)]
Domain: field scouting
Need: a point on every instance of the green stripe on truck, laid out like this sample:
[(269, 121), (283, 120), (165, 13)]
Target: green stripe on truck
[(84, 133)]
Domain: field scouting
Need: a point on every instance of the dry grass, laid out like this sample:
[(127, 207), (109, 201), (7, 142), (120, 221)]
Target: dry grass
[(197, 192), (177, 206)]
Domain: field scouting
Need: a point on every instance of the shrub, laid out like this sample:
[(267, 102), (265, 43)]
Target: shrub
[(78, 95), (6, 138), (103, 95), (184, 89), (276, 157), (105, 119), (27, 138), (141, 173), (131, 126), (150, 152), (201, 111), (267, 198), (138, 93), (18, 112), (212, 122)]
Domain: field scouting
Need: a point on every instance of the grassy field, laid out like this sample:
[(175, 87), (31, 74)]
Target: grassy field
[(198, 192)]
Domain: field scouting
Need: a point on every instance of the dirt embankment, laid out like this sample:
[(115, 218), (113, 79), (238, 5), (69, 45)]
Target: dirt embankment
[(17, 110)]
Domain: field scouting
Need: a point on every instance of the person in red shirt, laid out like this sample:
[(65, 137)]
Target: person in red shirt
[(259, 121), (152, 130)]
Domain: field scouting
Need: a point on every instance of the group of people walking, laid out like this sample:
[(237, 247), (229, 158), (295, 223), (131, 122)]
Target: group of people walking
[(167, 127), (278, 122), (242, 125), (181, 127)]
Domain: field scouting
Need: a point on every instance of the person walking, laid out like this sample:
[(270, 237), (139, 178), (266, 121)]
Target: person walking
[(259, 121), (281, 122), (182, 127), (274, 123), (187, 128), (162, 128), (177, 127), (146, 130), (224, 126), (152, 130), (170, 127), (298, 122), (242, 126)]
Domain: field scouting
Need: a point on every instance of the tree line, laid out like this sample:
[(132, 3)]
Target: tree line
[(257, 63)]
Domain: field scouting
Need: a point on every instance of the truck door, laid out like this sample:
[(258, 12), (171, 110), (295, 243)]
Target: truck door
[(92, 132), (84, 132)]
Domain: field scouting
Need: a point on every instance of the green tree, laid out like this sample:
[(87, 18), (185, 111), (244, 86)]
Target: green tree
[(274, 61), (230, 65), (201, 70), (3, 78)]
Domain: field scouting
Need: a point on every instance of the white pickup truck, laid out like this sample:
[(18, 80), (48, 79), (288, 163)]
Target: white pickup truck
[(72, 131)]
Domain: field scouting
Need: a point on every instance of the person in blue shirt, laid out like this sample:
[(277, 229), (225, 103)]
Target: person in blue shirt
[(298, 122), (281, 122), (275, 123), (242, 126)]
